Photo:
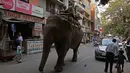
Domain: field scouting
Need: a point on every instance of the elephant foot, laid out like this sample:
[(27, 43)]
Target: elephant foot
[(63, 64), (58, 69), (74, 59), (40, 69)]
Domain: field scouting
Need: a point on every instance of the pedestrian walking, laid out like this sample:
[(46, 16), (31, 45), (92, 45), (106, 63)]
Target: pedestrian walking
[(18, 56), (120, 61), (111, 51), (128, 49)]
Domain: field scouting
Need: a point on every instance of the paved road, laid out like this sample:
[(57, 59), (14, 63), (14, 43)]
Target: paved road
[(86, 63)]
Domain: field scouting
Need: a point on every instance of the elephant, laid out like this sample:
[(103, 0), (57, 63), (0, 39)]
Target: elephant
[(64, 35)]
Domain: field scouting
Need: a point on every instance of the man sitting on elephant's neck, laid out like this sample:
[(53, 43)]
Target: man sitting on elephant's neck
[(73, 15)]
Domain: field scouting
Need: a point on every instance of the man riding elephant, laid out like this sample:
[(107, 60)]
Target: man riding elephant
[(63, 30)]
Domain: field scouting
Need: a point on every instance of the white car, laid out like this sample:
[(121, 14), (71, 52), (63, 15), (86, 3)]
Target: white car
[(100, 50)]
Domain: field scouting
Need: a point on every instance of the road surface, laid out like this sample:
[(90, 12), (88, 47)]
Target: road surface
[(86, 63)]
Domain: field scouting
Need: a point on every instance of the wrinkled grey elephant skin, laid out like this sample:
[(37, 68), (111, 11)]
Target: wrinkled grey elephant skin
[(65, 36)]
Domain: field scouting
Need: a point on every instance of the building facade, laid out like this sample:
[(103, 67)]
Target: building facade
[(97, 20), (94, 16), (29, 16)]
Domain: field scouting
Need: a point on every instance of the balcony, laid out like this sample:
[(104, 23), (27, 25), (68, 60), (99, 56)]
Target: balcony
[(58, 2), (81, 8)]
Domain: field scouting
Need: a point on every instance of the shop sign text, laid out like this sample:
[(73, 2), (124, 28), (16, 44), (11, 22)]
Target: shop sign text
[(23, 7), (23, 17), (7, 4), (37, 11), (34, 46)]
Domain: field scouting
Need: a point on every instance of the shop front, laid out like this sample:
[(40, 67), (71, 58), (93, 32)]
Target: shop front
[(30, 27)]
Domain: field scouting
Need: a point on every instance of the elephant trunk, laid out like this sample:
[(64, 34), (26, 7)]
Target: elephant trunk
[(43, 60), (48, 40)]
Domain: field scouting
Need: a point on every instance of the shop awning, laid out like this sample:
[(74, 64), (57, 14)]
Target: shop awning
[(19, 17), (12, 20)]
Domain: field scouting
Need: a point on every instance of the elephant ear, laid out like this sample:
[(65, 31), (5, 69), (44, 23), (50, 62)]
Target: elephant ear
[(102, 2)]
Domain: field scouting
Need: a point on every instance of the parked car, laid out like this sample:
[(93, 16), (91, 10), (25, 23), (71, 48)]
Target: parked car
[(100, 50)]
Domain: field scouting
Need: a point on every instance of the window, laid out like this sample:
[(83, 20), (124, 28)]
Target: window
[(88, 5), (27, 1), (105, 42)]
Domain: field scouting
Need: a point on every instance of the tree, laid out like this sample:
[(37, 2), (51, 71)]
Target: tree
[(116, 18)]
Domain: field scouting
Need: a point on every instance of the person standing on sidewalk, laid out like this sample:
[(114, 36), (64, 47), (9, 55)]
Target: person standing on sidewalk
[(128, 49), (18, 56), (111, 51)]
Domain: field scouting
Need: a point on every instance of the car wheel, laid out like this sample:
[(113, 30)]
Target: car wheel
[(96, 58)]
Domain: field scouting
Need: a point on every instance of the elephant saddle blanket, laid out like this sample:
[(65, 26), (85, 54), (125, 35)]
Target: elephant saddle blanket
[(71, 20)]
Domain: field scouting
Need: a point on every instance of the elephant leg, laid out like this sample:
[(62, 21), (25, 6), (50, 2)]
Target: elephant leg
[(58, 51), (61, 52), (46, 49), (75, 53)]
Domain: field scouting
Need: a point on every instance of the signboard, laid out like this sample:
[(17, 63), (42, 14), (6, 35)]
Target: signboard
[(33, 2), (34, 46), (23, 7), (100, 29), (37, 29), (23, 17), (37, 11), (7, 4)]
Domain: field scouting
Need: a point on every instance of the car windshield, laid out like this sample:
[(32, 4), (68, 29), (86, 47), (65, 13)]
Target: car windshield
[(105, 42)]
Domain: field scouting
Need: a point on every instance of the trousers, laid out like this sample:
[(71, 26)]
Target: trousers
[(109, 60), (128, 53)]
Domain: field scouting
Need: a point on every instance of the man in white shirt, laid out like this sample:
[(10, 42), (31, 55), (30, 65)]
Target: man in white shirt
[(20, 38), (111, 51)]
